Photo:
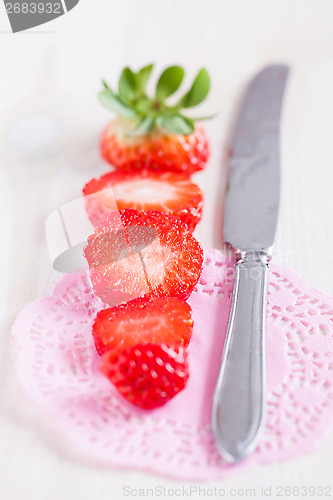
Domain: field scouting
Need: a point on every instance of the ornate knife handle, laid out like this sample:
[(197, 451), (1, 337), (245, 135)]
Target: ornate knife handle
[(240, 398)]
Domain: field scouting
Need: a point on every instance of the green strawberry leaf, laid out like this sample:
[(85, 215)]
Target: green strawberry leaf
[(133, 103), (198, 91), (169, 82), (176, 123), (200, 118), (143, 105), (143, 77), (128, 85), (144, 126), (113, 102)]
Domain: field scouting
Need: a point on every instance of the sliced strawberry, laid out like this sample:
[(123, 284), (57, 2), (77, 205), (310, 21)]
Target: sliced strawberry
[(167, 192), (149, 375), (143, 348), (163, 320), (135, 254), (159, 150)]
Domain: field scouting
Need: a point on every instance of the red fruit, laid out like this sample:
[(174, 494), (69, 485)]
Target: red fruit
[(157, 150), (142, 344), (135, 254), (147, 376), (164, 321), (167, 192), (150, 132)]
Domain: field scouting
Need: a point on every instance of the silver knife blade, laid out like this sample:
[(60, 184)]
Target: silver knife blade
[(252, 201), (239, 405)]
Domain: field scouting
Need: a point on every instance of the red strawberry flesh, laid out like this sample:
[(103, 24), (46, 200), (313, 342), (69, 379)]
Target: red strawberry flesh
[(135, 254), (143, 348), (167, 192), (162, 320), (147, 376)]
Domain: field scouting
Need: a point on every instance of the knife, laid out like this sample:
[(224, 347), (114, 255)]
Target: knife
[(250, 218)]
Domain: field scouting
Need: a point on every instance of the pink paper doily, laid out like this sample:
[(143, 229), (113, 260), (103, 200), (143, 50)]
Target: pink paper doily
[(59, 368)]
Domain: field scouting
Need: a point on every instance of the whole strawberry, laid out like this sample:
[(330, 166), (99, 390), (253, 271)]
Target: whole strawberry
[(150, 133)]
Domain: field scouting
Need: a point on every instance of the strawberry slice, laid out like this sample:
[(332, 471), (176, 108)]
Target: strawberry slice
[(167, 192), (142, 254), (147, 376), (143, 348), (162, 320)]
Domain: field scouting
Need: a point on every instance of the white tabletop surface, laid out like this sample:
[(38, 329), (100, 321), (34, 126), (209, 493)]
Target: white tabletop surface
[(52, 74)]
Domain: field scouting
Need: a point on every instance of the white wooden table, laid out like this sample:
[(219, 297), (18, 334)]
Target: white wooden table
[(55, 71)]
